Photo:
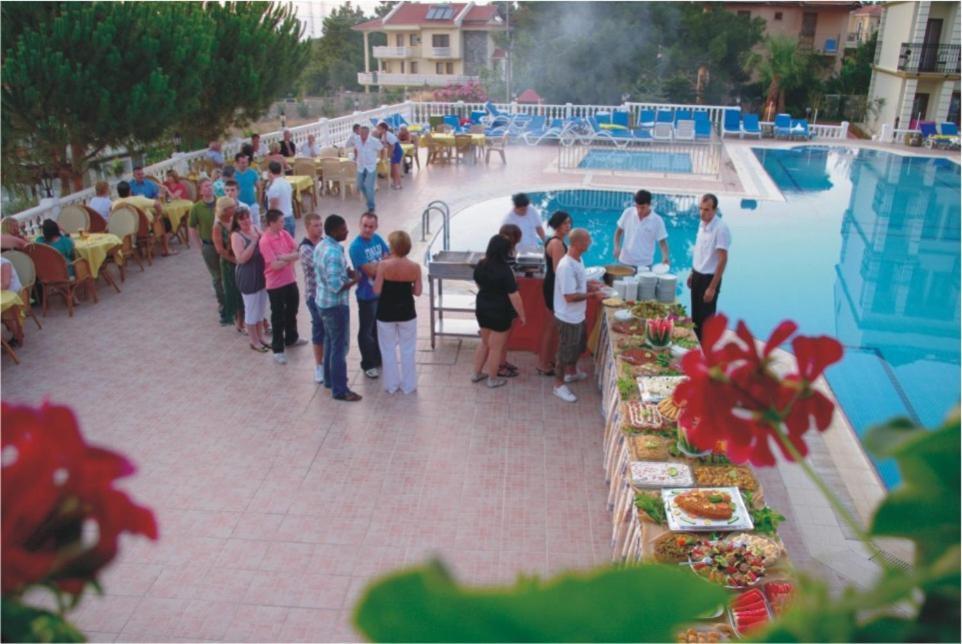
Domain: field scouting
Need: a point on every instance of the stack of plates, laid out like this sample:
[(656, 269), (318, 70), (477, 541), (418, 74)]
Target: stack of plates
[(647, 284), (665, 290), (627, 288)]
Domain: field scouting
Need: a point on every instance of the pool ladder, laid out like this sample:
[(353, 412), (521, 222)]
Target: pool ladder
[(441, 207)]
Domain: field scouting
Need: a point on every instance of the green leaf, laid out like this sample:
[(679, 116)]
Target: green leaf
[(22, 623), (642, 603)]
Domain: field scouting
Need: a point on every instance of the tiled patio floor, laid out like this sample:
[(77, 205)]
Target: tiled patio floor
[(277, 504)]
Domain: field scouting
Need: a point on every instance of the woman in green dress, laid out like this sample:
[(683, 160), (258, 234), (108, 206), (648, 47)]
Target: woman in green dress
[(233, 305)]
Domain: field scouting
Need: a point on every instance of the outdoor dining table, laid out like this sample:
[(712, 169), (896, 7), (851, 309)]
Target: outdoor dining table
[(176, 210), (11, 307), (94, 247), (300, 183)]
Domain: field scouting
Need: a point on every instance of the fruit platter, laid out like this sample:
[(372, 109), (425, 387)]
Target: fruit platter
[(749, 611), (706, 509), (728, 564), (652, 474), (658, 333)]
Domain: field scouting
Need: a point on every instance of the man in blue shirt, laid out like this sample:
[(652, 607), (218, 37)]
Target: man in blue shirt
[(141, 186), (215, 155), (248, 182), (366, 251)]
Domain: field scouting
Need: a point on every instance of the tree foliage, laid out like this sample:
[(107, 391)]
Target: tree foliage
[(92, 75), (856, 71), (790, 76)]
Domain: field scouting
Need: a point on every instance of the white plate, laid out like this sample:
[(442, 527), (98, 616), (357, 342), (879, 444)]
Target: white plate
[(623, 315), (595, 272), (681, 521), (659, 269), (655, 474)]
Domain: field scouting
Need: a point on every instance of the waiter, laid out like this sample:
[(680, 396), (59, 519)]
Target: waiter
[(639, 228), (708, 262)]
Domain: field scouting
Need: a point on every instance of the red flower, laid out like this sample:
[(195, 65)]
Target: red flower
[(733, 395), (55, 484)]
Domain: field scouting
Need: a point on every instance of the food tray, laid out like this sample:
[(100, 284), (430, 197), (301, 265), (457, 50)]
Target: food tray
[(653, 474), (643, 416), (656, 388), (681, 521), (733, 619)]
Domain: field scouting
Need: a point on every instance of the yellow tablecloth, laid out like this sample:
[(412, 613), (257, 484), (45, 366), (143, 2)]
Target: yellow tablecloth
[(94, 248), (415, 128), (407, 148), (8, 300), (145, 204), (176, 210), (300, 182), (477, 138)]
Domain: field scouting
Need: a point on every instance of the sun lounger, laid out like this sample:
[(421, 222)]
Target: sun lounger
[(662, 132), (646, 119), (799, 129), (684, 130), (683, 115), (750, 126), (664, 116), (731, 124), (783, 126), (702, 126)]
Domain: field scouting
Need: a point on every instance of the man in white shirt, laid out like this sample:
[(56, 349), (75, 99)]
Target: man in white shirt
[(368, 150), (639, 227), (708, 262), (312, 149), (280, 195), (528, 219), (351, 142), (571, 293)]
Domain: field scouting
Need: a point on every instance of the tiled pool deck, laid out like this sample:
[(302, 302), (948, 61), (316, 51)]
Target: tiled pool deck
[(277, 504)]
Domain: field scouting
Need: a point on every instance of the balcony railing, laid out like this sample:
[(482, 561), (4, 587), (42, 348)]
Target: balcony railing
[(394, 52), (439, 52), (923, 57), (412, 80)]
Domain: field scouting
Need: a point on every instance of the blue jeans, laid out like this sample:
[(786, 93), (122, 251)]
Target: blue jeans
[(365, 183), (317, 324), (337, 322), (289, 225), (367, 334)]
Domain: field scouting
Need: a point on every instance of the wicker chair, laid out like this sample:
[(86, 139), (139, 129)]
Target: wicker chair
[(330, 174), (97, 223), (347, 177), (54, 276), (125, 223), (328, 153), (27, 273), (191, 188), (463, 147), (73, 218), (307, 168)]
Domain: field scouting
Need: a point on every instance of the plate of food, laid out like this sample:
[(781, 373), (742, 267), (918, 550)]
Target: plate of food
[(740, 476), (713, 633), (643, 416), (657, 388), (674, 547), (749, 611), (653, 474), (650, 447), (613, 301), (706, 509), (623, 315), (727, 564), (769, 549)]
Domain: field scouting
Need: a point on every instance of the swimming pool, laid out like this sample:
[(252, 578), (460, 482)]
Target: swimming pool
[(637, 161), (866, 249)]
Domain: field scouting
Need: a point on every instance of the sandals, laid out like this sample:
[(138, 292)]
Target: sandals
[(545, 372), (496, 382), (261, 349), (507, 370), (478, 377), (266, 346)]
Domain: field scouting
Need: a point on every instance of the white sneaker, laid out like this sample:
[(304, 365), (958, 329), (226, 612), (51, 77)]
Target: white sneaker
[(280, 358), (578, 376), (300, 342), (373, 372), (319, 374), (565, 394)]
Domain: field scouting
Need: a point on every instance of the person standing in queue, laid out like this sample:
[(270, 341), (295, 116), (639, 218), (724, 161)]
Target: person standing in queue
[(201, 224), (496, 305), (554, 249), (709, 259), (314, 233), (571, 293), (528, 219), (280, 257), (334, 280), (366, 251), (639, 228)]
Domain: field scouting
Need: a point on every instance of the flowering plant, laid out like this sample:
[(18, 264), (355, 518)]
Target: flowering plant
[(472, 91), (61, 517)]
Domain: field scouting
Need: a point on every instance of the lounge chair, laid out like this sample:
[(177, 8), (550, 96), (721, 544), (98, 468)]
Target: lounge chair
[(949, 129), (702, 126), (947, 139), (783, 126), (684, 130), (662, 131), (622, 118), (731, 124), (454, 122), (609, 132), (750, 126), (496, 117), (683, 115), (800, 129), (551, 132), (664, 116), (646, 119)]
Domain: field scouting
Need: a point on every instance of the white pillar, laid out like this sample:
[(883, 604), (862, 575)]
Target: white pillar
[(367, 62)]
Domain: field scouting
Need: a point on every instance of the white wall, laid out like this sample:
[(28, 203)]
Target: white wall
[(896, 29)]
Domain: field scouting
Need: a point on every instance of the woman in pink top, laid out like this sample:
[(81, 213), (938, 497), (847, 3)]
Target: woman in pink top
[(174, 187), (280, 254)]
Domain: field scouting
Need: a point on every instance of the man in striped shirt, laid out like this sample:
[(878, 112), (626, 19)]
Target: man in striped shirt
[(334, 281)]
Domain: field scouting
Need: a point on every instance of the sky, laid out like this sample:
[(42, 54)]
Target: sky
[(312, 13)]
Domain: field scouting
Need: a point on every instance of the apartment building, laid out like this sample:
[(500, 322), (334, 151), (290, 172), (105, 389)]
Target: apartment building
[(431, 44), (916, 71), (820, 27), (862, 24)]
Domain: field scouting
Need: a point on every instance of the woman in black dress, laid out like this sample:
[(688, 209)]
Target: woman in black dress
[(554, 249), (497, 304)]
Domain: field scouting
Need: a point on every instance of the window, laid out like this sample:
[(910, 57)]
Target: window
[(744, 14), (414, 67), (399, 40), (384, 66), (402, 66), (415, 40), (439, 68), (440, 12), (449, 68), (778, 15), (440, 40)]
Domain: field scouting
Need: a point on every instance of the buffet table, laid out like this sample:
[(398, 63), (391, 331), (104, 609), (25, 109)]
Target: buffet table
[(639, 440)]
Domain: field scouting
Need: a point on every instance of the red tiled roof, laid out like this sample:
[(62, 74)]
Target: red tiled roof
[(415, 13), (869, 10), (529, 96)]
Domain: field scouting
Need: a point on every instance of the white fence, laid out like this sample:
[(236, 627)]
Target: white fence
[(335, 131)]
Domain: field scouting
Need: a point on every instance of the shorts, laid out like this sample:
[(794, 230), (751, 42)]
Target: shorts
[(255, 306), (397, 153), (572, 342), (496, 323), (317, 324)]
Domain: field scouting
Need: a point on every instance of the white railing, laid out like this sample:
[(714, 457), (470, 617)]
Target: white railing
[(438, 52), (393, 52), (889, 134), (412, 80)]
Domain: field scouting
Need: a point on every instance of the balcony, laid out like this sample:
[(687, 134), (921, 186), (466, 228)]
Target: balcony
[(929, 58), (439, 52), (412, 80), (394, 52)]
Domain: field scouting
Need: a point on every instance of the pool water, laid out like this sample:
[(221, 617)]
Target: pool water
[(866, 249), (637, 161)]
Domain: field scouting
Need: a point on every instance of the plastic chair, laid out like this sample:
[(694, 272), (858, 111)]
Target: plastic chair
[(750, 125), (731, 124), (646, 119), (72, 219), (55, 278), (124, 221), (347, 177), (495, 145), (662, 131), (330, 174), (684, 130), (191, 188), (27, 272), (328, 153), (703, 127), (783, 125)]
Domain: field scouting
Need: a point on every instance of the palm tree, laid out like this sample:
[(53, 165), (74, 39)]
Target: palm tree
[(783, 68)]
